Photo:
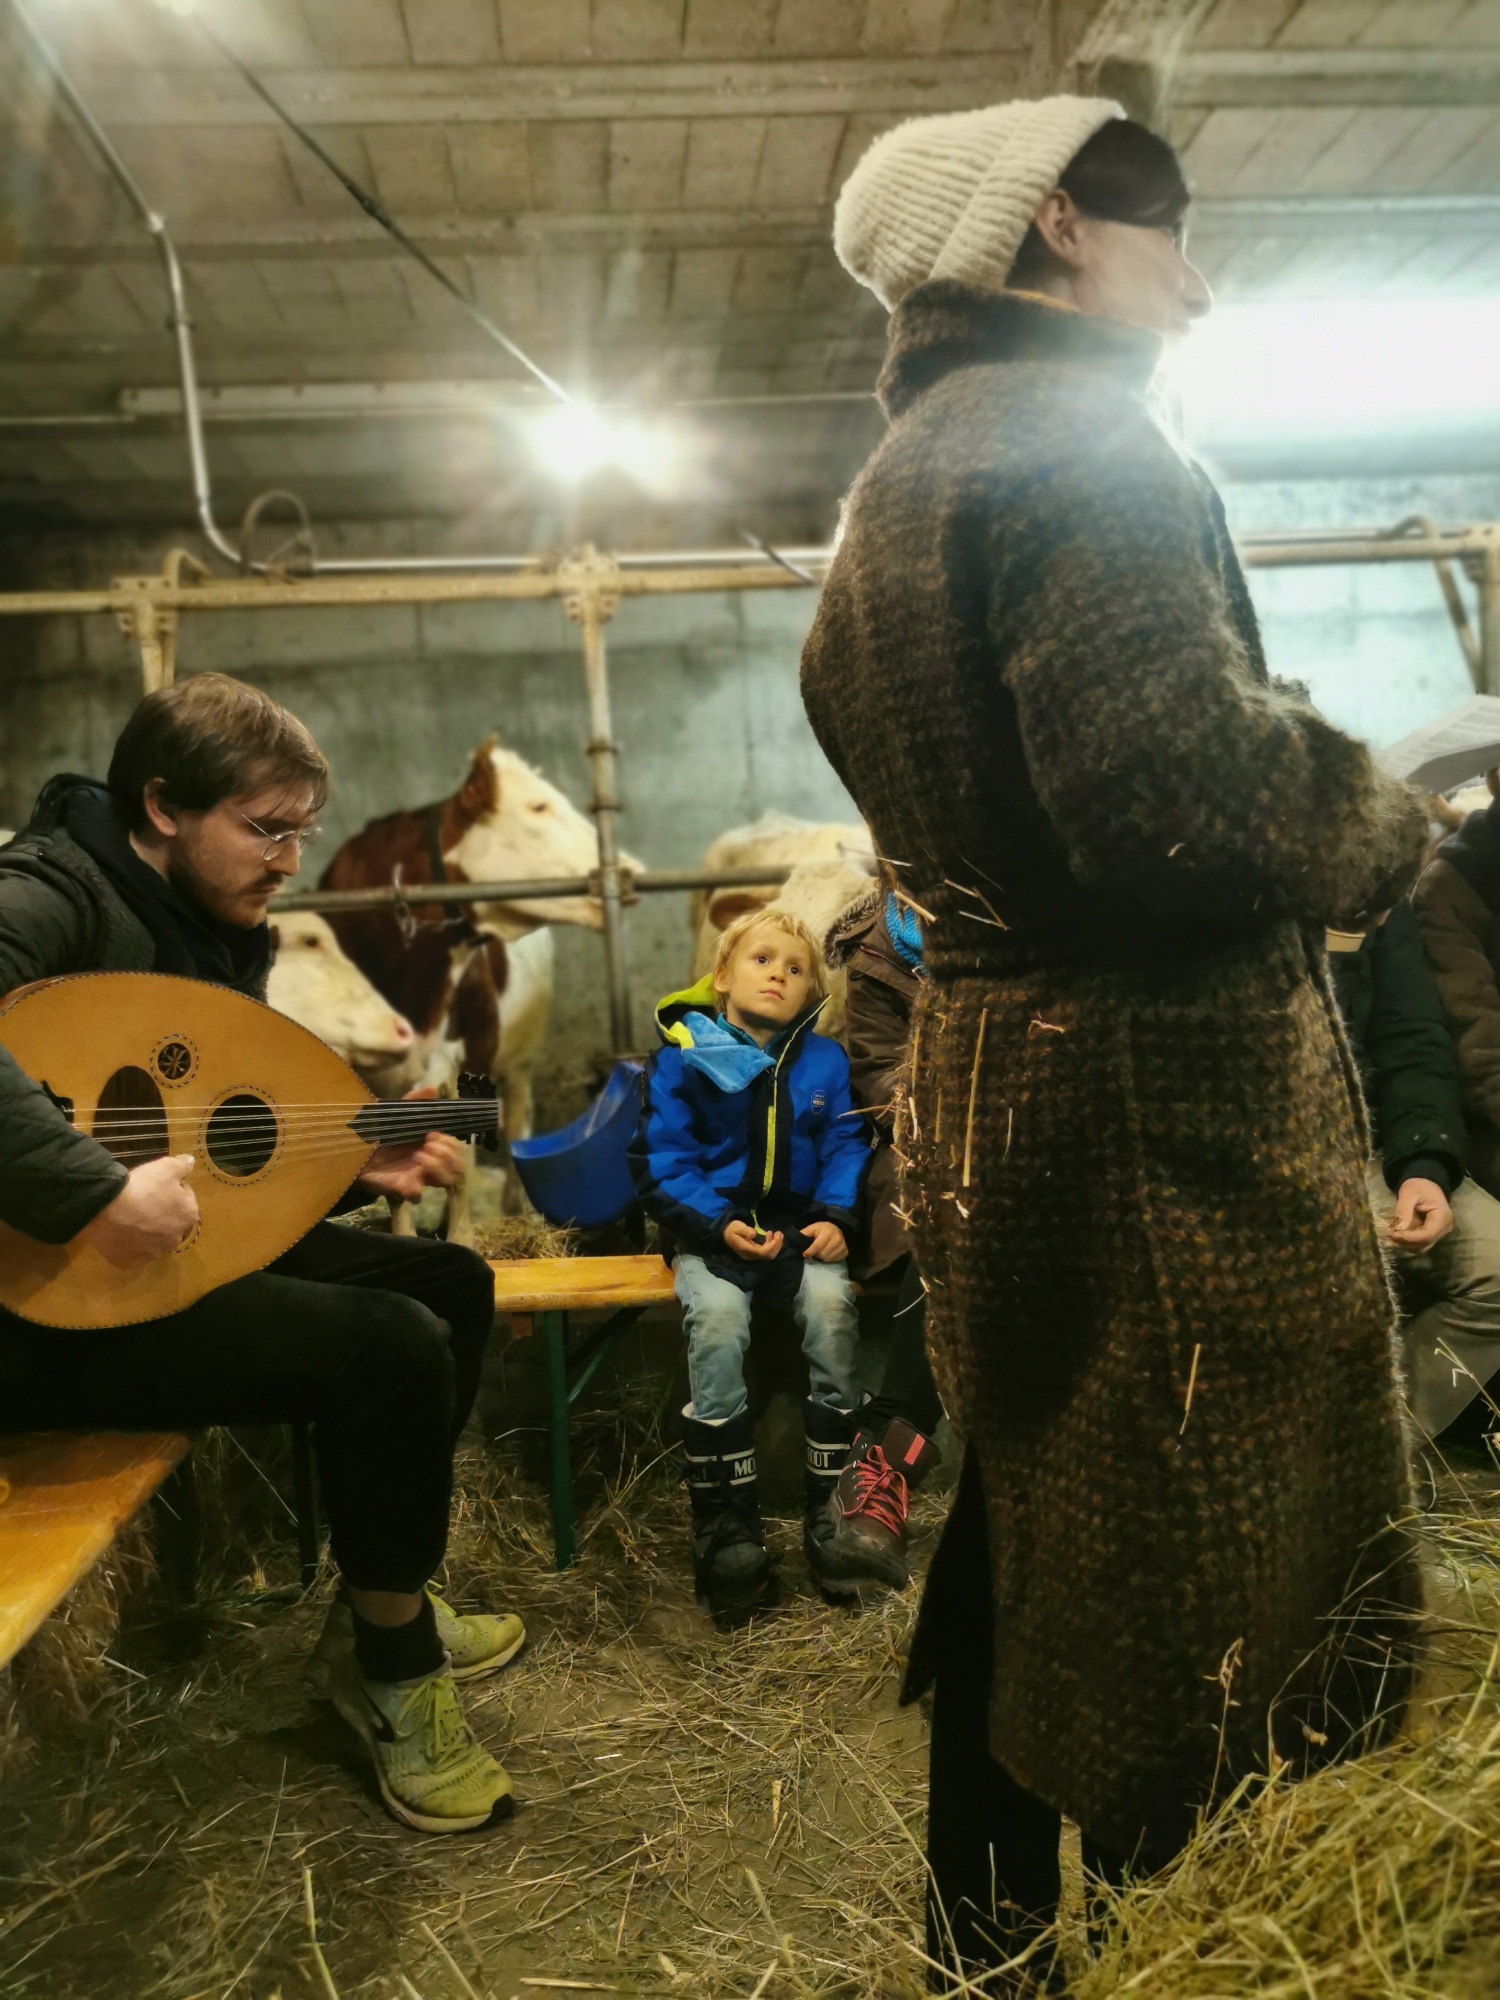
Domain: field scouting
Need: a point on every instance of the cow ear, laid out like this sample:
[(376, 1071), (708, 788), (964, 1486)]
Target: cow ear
[(479, 794), (726, 906)]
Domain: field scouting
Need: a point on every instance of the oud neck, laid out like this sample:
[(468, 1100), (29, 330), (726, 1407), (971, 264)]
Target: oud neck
[(404, 1120)]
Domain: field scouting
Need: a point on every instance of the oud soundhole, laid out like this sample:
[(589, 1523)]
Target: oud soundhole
[(241, 1136), (131, 1121)]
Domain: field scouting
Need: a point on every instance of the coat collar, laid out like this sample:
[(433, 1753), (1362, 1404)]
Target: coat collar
[(943, 325)]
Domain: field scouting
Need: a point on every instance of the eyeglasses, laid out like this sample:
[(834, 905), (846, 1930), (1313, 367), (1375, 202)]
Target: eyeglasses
[(276, 842)]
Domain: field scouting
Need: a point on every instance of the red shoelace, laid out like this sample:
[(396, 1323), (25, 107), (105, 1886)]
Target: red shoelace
[(879, 1492)]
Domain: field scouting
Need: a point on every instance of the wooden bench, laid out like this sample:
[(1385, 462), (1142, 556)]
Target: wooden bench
[(549, 1289), (69, 1496)]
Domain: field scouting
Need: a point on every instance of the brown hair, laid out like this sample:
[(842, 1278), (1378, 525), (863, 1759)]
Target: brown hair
[(778, 920), (210, 738), (1124, 173)]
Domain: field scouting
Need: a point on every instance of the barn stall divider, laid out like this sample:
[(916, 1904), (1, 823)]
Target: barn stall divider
[(590, 586)]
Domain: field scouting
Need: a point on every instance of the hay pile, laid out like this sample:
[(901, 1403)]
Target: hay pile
[(703, 1813)]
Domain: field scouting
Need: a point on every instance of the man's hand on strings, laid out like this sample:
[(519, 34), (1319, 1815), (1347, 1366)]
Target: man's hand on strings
[(407, 1170)]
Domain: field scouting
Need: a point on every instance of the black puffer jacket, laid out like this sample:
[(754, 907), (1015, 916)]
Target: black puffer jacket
[(1407, 1062), (70, 907)]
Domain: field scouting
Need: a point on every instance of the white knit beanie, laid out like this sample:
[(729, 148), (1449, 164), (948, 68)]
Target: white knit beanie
[(952, 196)]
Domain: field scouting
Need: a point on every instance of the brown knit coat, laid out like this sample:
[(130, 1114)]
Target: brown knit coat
[(1158, 1309)]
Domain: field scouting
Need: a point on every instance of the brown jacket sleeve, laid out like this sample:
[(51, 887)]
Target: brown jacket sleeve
[(877, 1028), (1456, 923)]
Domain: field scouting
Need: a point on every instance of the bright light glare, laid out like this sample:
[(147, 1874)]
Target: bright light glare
[(572, 441), (1339, 368)]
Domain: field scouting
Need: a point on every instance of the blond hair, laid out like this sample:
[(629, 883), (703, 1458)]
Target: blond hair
[(776, 920)]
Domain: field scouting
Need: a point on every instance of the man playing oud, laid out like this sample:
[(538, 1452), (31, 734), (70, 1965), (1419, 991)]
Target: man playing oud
[(374, 1341)]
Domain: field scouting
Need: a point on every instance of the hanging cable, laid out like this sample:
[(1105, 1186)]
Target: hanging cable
[(377, 212)]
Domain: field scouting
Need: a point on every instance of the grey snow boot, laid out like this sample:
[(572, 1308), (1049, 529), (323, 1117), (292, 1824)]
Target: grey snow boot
[(731, 1570)]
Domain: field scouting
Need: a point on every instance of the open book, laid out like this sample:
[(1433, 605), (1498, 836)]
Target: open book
[(1461, 746)]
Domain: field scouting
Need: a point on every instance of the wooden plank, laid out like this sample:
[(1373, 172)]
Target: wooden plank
[(69, 1496), (580, 1284)]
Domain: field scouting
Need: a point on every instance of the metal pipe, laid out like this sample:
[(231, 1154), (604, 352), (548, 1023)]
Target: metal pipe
[(177, 316), (285, 593), (591, 614), (1489, 619), (659, 881)]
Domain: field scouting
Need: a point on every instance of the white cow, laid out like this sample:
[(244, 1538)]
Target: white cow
[(316, 983), (832, 866)]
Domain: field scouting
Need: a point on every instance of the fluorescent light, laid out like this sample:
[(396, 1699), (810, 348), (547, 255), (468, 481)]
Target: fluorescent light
[(572, 441), (1339, 369)]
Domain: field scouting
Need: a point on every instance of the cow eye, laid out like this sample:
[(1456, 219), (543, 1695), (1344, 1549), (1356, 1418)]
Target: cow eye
[(540, 806)]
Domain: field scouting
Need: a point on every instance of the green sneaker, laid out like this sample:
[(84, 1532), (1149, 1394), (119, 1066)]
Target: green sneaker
[(475, 1645), (433, 1773), (478, 1644)]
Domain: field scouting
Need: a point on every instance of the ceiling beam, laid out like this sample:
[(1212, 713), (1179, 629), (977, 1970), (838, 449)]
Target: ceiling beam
[(1288, 78), (540, 92)]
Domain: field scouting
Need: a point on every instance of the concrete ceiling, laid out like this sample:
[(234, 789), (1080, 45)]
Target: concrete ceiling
[(640, 191)]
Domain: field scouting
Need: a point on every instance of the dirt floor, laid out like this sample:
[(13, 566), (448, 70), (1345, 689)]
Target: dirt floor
[(698, 1809)]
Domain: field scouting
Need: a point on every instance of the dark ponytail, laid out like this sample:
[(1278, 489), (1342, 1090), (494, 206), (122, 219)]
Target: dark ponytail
[(1123, 174)]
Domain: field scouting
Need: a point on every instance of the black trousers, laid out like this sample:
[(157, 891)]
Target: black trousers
[(992, 1846), (376, 1341), (907, 1388)]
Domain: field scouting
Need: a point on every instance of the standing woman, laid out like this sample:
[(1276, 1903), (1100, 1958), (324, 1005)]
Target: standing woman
[(1157, 1308)]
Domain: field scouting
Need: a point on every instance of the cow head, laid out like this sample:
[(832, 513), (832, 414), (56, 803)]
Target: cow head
[(313, 981), (514, 825)]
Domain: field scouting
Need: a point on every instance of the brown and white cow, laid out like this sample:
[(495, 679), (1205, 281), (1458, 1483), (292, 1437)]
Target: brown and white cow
[(481, 977)]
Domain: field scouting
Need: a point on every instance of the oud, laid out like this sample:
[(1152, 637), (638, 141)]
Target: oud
[(279, 1127)]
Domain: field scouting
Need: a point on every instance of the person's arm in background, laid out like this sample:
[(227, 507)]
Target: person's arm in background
[(877, 1032), (1419, 1108), (1455, 922)]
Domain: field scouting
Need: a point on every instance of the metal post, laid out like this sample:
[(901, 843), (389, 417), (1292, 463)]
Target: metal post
[(564, 1521), (591, 603), (1489, 618)]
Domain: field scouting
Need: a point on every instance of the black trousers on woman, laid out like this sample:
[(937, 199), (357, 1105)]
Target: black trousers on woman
[(992, 1846), (376, 1341), (906, 1389)]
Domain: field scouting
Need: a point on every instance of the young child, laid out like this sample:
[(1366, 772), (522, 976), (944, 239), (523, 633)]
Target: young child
[(750, 1155)]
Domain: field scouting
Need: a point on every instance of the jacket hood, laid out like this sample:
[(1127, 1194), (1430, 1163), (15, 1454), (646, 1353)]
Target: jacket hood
[(1474, 851), (942, 326), (852, 927), (675, 1029)]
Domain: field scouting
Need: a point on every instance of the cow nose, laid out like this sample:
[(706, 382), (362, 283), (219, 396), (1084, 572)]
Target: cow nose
[(401, 1033)]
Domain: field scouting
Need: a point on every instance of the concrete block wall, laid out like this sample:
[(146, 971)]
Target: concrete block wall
[(705, 694), (706, 707)]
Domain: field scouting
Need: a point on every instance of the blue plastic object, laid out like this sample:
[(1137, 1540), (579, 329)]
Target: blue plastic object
[(578, 1176)]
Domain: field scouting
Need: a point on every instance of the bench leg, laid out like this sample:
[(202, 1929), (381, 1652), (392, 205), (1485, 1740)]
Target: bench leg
[(177, 1523), (305, 1493), (564, 1523)]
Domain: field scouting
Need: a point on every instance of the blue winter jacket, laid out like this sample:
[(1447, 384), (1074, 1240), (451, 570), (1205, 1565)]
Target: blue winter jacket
[(788, 1149)]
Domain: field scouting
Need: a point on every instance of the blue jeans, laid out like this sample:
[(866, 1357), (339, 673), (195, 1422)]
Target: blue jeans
[(716, 1318)]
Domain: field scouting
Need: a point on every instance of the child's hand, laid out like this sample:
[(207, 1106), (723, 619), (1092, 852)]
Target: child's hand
[(825, 1243), (743, 1241)]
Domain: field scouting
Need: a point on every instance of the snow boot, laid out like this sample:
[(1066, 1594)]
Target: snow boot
[(869, 1506), (830, 1433), (731, 1570)]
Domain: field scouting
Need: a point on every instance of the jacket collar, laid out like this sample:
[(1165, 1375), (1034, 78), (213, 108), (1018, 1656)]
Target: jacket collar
[(674, 1022), (943, 325)]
